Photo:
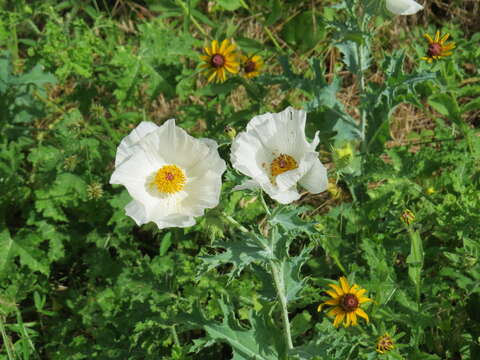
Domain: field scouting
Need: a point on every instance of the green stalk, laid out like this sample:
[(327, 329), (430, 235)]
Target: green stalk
[(277, 275), (363, 115), (6, 340)]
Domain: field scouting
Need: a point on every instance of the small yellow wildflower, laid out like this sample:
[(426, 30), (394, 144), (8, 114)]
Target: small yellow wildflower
[(384, 344), (251, 66), (220, 60), (347, 300), (437, 47), (407, 217), (334, 190), (431, 190)]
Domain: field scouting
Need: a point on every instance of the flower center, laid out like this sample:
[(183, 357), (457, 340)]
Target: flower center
[(434, 49), (349, 302), (282, 164), (249, 67), (217, 60), (169, 179)]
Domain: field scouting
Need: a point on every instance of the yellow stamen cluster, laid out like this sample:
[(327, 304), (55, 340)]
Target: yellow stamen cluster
[(282, 164), (437, 47), (169, 179)]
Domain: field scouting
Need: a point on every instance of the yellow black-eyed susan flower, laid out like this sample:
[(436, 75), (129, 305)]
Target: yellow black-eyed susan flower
[(437, 48), (346, 300), (384, 344), (251, 65), (220, 60)]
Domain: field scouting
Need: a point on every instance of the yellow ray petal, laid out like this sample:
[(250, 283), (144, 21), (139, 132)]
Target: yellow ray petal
[(354, 289), (338, 319), (362, 313), (230, 69), (212, 77), (336, 310), (223, 46), (363, 299), (337, 289), (353, 317), (348, 319), (332, 301), (333, 294), (424, 58), (208, 51), (344, 283), (448, 46), (437, 36), (444, 38), (429, 38), (214, 47), (446, 53), (231, 48), (360, 292)]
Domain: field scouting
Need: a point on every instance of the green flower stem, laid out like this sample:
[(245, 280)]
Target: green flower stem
[(175, 336), (267, 210), (277, 275), (186, 10), (280, 287), (6, 340), (363, 115), (236, 223)]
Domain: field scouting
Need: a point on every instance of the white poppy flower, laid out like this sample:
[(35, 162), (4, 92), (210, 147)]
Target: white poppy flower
[(171, 176), (403, 7), (275, 153)]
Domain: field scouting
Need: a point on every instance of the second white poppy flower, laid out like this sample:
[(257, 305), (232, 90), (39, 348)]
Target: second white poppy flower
[(275, 153)]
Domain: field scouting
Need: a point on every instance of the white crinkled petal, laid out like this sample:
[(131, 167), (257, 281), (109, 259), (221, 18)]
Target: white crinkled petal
[(403, 7), (210, 162), (285, 197), (175, 146), (250, 157), (176, 220), (204, 193), (315, 180), (281, 133), (133, 173), (136, 211), (125, 149)]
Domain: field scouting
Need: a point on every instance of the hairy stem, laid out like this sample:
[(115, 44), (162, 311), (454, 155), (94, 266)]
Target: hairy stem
[(280, 287), (361, 85)]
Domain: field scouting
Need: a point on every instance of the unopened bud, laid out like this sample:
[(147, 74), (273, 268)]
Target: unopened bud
[(230, 131)]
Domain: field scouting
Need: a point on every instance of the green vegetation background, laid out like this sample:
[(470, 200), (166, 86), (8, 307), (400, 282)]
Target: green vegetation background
[(78, 279)]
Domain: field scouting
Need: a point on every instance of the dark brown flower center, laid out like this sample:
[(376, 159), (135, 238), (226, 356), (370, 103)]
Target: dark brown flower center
[(217, 60), (434, 49), (349, 302), (249, 66)]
